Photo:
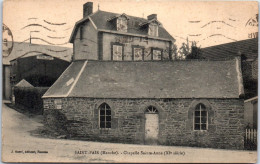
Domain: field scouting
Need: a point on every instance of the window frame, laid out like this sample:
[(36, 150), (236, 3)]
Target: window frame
[(120, 21), (156, 31), (81, 32), (207, 117), (99, 115), (112, 52), (158, 49), (133, 53), (151, 110)]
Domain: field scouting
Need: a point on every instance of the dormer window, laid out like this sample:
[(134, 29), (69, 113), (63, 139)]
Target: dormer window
[(152, 24), (122, 24), (153, 29)]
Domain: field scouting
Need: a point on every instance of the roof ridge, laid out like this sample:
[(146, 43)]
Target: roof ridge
[(77, 78), (166, 61), (53, 85), (121, 13)]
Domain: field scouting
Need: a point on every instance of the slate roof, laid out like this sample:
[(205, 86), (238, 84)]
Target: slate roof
[(171, 79), (247, 47), (24, 49), (23, 83), (100, 19)]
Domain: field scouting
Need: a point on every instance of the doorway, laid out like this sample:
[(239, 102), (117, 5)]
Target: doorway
[(151, 126)]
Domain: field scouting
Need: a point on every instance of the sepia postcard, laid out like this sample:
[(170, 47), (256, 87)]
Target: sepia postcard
[(134, 81)]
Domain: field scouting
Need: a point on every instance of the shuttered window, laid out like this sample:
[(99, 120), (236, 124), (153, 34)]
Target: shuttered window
[(153, 29), (117, 51), (157, 54), (138, 54), (122, 24)]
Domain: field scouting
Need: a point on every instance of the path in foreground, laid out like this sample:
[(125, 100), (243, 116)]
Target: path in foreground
[(16, 140)]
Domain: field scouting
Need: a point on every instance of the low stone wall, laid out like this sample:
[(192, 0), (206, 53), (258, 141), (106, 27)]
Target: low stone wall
[(225, 121)]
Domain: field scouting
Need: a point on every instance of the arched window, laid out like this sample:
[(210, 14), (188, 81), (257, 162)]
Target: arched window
[(200, 117), (104, 116), (151, 110)]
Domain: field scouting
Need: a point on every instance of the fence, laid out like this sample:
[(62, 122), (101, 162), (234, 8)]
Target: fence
[(251, 139)]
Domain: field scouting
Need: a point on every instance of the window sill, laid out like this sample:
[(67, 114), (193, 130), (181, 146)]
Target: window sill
[(202, 131), (104, 129)]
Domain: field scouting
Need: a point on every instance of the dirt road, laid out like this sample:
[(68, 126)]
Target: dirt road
[(19, 146)]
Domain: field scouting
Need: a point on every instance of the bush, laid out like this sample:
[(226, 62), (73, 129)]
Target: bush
[(196, 53), (30, 98)]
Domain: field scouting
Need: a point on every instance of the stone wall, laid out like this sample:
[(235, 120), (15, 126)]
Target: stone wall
[(225, 121)]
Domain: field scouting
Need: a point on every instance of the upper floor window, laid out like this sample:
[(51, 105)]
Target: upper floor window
[(122, 24), (138, 53), (156, 54), (200, 117), (153, 29), (117, 52), (81, 32), (104, 116)]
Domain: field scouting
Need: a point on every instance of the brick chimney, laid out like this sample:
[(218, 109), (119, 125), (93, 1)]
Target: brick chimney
[(87, 9), (152, 16)]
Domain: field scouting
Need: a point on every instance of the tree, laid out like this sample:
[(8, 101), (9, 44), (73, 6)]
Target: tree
[(174, 49), (184, 50), (196, 52), (187, 52)]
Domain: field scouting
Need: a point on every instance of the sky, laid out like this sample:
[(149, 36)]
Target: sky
[(207, 23)]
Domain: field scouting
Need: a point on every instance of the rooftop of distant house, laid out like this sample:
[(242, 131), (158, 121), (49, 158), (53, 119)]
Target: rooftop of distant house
[(247, 49), (25, 49)]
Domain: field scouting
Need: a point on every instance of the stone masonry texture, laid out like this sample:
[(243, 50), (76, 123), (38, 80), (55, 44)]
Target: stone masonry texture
[(225, 121)]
